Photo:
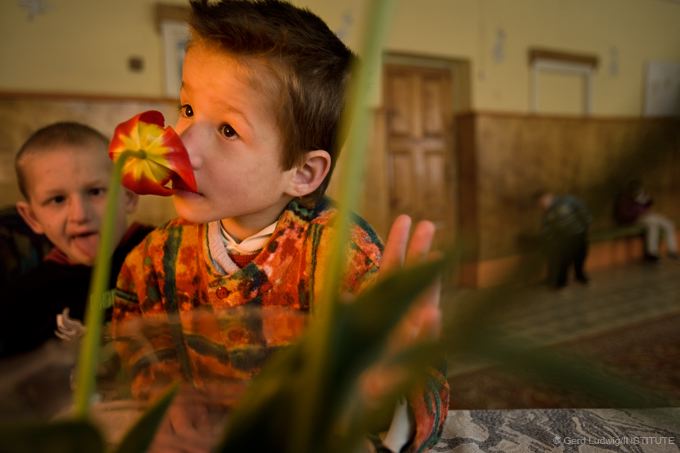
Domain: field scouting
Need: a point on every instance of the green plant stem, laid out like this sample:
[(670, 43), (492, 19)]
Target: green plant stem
[(88, 356), (357, 120)]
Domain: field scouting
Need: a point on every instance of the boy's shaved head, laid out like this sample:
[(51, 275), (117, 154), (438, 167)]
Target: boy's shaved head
[(50, 137), (294, 57)]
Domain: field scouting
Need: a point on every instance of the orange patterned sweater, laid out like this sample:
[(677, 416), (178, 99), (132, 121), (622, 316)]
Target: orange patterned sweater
[(229, 321)]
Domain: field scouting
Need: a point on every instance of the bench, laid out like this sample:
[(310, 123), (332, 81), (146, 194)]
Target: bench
[(617, 232), (615, 246)]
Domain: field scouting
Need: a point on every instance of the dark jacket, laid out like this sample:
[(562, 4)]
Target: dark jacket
[(32, 303), (629, 209), (567, 216)]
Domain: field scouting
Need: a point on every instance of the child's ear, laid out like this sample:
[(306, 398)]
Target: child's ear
[(309, 174), (29, 217), (130, 200)]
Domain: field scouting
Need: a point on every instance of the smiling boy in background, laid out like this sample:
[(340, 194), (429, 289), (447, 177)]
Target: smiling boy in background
[(63, 172)]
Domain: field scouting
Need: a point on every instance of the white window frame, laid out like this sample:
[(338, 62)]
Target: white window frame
[(174, 34), (552, 61)]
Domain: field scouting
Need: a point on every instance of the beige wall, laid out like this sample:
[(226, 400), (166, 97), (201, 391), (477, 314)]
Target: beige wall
[(641, 30), (83, 45)]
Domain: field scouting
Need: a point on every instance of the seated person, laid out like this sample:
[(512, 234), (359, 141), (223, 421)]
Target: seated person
[(634, 206), (63, 171)]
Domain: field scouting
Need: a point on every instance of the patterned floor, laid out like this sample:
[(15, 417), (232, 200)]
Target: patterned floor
[(625, 321), (613, 299)]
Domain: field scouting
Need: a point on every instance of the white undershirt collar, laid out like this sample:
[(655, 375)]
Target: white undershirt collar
[(250, 244)]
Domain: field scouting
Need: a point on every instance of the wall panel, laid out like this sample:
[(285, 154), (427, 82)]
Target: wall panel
[(506, 158)]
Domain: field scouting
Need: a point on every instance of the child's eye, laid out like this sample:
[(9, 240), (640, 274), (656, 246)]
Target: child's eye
[(228, 131), (97, 191), (56, 200), (186, 111)]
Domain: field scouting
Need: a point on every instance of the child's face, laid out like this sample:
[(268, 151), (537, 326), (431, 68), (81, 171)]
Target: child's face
[(233, 141), (67, 195)]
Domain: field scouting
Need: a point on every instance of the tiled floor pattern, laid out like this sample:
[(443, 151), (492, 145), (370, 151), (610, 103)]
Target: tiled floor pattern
[(613, 299)]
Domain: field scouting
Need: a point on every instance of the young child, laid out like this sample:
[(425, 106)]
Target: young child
[(262, 94), (63, 172)]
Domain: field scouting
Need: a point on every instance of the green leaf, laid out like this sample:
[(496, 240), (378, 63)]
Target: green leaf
[(88, 356), (263, 419), (356, 122), (362, 328), (140, 436), (67, 436), (374, 417)]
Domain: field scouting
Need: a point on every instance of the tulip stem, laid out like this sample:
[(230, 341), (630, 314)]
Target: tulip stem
[(88, 357)]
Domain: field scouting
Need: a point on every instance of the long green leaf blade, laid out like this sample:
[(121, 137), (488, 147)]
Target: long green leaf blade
[(67, 436), (89, 349), (356, 120), (142, 433)]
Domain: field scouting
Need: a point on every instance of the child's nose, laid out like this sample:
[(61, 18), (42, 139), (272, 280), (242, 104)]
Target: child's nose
[(193, 138), (79, 209)]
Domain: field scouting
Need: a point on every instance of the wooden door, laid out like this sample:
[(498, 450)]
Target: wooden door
[(419, 142)]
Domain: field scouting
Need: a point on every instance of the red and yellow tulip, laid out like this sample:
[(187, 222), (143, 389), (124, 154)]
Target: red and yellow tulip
[(158, 162)]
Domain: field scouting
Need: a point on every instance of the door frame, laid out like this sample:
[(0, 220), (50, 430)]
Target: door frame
[(460, 102)]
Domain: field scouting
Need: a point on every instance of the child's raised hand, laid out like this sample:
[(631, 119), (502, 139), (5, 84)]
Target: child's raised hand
[(423, 320)]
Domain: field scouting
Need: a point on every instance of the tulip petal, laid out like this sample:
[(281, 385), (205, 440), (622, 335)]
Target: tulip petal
[(163, 165)]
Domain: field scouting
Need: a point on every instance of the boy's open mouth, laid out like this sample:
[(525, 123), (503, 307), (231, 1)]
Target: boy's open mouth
[(86, 243)]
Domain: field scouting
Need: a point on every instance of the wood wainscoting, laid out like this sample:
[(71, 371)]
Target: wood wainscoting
[(504, 159)]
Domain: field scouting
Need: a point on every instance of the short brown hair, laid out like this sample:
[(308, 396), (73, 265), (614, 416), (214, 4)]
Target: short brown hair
[(56, 134), (308, 63)]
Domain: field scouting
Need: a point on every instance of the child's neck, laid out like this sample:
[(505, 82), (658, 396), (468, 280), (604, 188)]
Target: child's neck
[(245, 226)]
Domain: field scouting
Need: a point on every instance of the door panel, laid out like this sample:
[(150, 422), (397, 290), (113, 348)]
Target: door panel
[(400, 176), (433, 118), (418, 105), (400, 114)]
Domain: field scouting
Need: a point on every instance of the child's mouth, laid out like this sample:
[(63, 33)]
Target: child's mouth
[(86, 243), (187, 194)]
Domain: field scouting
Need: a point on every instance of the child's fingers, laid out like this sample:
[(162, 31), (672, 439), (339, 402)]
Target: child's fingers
[(400, 247), (424, 319), (395, 247), (421, 241), (430, 323), (422, 322), (419, 250)]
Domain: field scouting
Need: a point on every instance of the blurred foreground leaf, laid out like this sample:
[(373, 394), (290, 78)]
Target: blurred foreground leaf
[(358, 338), (65, 436), (142, 433), (568, 372)]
